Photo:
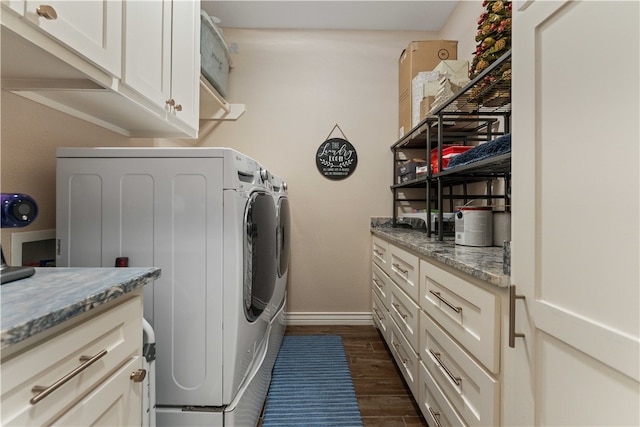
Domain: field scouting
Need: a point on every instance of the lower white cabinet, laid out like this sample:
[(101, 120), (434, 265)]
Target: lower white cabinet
[(381, 317), (434, 406), (447, 340), (405, 356), (469, 313), (470, 389), (87, 374)]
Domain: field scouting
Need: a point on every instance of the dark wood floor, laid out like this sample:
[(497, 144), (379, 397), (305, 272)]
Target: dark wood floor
[(383, 396)]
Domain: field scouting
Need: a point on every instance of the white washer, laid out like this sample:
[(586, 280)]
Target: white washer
[(207, 218)]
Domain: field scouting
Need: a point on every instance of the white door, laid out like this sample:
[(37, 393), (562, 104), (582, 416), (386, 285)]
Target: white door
[(91, 28), (575, 214)]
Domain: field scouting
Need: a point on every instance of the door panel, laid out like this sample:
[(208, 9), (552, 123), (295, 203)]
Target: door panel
[(576, 205)]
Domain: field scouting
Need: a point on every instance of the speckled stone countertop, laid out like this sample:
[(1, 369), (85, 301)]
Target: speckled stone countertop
[(484, 263), (56, 294)]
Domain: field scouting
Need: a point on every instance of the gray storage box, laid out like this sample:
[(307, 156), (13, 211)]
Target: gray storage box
[(215, 62)]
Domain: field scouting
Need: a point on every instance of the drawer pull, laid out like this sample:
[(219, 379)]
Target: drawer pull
[(435, 416), (451, 306), (377, 252), (378, 314), (397, 346), (397, 266), (44, 391), (456, 380), (377, 282), (512, 316), (47, 12), (397, 307)]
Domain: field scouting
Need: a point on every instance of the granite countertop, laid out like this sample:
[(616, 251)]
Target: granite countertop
[(484, 263), (56, 294)]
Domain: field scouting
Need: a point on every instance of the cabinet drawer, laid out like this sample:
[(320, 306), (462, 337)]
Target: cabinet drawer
[(381, 284), (380, 317), (434, 406), (116, 402), (380, 253), (404, 271), (405, 313), (405, 357), (117, 331), (472, 391), (469, 313)]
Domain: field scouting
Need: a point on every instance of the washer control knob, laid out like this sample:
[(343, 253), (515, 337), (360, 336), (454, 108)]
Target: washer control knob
[(264, 175)]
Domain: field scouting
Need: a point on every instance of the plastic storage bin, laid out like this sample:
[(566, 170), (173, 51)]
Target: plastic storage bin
[(215, 61), (448, 152)]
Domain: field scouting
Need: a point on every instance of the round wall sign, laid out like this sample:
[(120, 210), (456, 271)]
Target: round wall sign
[(336, 158)]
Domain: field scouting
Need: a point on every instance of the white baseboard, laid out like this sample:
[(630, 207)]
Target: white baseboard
[(320, 318)]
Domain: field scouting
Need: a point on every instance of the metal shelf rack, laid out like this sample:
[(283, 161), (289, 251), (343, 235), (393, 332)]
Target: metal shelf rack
[(471, 116)]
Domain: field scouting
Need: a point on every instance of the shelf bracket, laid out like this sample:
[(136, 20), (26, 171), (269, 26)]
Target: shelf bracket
[(214, 107)]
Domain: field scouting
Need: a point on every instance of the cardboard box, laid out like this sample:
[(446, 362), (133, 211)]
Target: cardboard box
[(425, 83), (456, 71), (419, 56)]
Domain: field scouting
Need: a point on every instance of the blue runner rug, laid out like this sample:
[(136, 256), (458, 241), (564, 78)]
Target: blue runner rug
[(311, 385)]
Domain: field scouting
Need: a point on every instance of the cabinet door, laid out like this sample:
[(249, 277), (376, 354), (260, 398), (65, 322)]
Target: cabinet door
[(147, 58), (91, 28), (576, 202), (16, 5), (185, 62)]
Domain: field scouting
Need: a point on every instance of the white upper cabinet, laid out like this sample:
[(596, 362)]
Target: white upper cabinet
[(16, 5), (91, 28), (162, 57), (129, 66), (147, 59), (185, 62)]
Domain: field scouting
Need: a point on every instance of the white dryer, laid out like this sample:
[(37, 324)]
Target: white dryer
[(283, 237), (207, 218), (278, 304)]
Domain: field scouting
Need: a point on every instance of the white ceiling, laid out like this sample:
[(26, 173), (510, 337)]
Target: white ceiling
[(429, 15)]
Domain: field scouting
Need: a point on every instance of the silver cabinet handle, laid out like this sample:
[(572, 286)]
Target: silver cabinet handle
[(47, 12), (178, 107), (451, 306), (436, 417), (377, 282), (456, 380), (397, 307), (512, 316), (397, 266), (377, 252), (397, 346), (378, 313), (44, 391)]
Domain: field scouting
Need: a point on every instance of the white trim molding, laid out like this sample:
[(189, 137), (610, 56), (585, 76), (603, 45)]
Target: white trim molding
[(329, 318)]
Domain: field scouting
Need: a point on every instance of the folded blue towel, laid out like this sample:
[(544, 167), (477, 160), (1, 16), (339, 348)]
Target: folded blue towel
[(498, 146)]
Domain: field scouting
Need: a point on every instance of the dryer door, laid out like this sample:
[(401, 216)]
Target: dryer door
[(259, 253), (284, 227)]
